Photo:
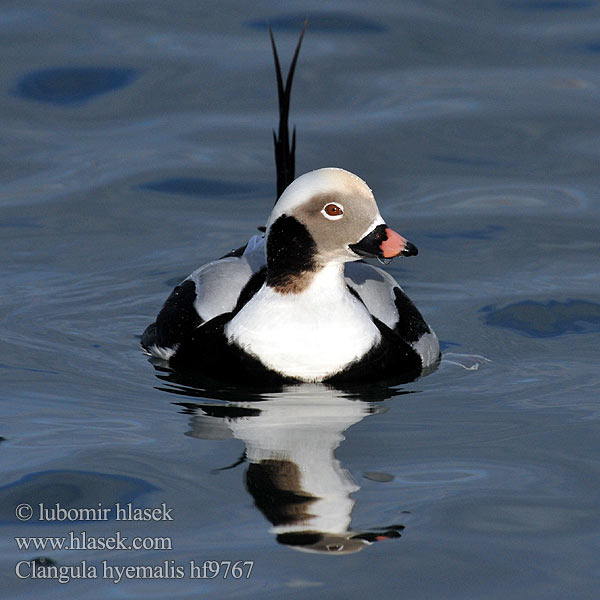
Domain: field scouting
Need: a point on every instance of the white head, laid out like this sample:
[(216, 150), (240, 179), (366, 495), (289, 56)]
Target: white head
[(327, 216), (336, 206)]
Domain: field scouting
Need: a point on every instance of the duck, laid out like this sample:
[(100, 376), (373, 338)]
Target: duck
[(298, 302)]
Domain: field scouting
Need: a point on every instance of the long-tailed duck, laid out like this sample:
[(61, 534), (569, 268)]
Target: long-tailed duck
[(298, 303)]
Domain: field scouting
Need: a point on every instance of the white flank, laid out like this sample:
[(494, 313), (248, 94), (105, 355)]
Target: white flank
[(310, 335), (219, 283), (428, 348), (376, 289), (162, 352)]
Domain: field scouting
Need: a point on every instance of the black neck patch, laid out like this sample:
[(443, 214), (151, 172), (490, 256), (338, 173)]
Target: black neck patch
[(291, 253)]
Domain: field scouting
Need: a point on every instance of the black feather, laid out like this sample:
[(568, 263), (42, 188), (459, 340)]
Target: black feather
[(285, 160)]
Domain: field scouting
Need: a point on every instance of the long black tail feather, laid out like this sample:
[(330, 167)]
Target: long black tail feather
[(285, 155)]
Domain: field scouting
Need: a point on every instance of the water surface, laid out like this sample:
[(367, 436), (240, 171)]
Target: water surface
[(136, 145)]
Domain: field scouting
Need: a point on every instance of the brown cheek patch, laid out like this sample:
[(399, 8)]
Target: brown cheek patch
[(318, 201)]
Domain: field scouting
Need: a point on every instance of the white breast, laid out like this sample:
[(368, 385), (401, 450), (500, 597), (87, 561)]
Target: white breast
[(310, 335)]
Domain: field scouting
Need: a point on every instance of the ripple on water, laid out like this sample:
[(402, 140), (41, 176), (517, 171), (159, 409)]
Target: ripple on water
[(432, 480), (510, 199), (510, 517), (196, 186), (487, 232), (439, 476)]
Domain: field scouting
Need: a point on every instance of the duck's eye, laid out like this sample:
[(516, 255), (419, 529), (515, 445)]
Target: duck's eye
[(333, 211)]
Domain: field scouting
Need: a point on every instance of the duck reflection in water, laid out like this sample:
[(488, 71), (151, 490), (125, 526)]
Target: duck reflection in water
[(293, 475)]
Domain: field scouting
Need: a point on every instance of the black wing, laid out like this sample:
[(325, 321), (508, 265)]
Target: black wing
[(175, 320)]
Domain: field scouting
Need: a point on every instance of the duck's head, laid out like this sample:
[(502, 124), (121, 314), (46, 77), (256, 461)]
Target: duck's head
[(329, 216)]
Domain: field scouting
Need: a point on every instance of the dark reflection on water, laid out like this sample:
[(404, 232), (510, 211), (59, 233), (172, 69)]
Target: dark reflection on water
[(196, 384), (553, 5), (292, 473), (70, 489), (330, 22), (593, 47), (546, 319), (66, 86)]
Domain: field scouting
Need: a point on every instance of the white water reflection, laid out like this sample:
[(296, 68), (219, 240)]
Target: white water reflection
[(293, 475)]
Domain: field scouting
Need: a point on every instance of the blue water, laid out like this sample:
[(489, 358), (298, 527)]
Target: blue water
[(137, 145)]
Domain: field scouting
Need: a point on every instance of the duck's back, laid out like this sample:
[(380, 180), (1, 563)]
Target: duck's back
[(210, 291)]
